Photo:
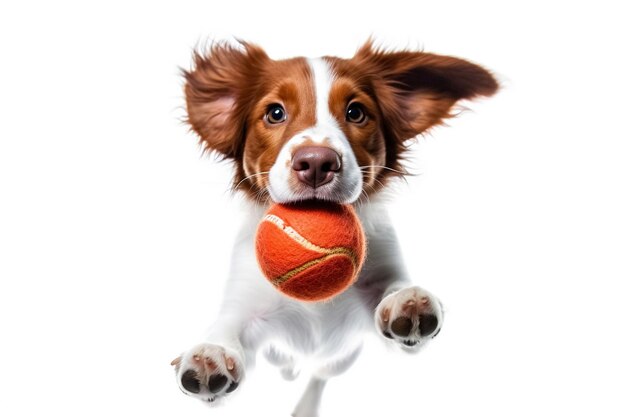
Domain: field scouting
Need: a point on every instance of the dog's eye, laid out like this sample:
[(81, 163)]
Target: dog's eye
[(276, 114), (355, 113)]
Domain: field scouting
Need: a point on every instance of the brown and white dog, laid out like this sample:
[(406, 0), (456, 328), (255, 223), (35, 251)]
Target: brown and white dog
[(330, 129)]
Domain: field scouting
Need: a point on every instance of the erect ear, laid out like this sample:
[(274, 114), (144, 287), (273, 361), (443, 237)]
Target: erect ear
[(417, 90), (217, 89)]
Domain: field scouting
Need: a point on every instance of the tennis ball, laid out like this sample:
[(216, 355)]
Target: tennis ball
[(310, 251)]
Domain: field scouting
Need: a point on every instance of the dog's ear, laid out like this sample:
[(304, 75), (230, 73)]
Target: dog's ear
[(218, 90), (417, 90)]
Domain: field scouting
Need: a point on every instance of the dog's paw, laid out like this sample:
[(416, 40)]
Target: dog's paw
[(410, 317), (208, 372)]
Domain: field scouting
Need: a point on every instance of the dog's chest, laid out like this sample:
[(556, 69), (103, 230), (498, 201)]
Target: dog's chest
[(324, 330)]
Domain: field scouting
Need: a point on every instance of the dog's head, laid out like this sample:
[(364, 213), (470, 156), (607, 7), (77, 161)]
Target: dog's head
[(325, 128)]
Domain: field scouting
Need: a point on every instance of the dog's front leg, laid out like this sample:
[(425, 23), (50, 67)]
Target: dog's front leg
[(404, 313), (214, 368)]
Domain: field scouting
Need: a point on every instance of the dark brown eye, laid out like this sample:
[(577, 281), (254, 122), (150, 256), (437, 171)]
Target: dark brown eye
[(275, 114), (355, 113)]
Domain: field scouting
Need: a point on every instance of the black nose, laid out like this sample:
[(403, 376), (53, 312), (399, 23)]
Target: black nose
[(315, 165)]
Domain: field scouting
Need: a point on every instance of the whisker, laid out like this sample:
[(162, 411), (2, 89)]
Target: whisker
[(362, 167), (365, 194), (367, 176), (248, 177), (260, 196)]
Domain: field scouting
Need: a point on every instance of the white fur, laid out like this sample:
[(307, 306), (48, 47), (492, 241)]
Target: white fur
[(347, 184), (255, 315)]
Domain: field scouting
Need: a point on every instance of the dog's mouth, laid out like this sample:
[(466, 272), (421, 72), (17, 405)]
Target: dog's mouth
[(332, 192), (323, 193)]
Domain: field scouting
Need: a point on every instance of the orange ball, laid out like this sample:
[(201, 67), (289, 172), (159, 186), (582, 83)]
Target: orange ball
[(310, 251)]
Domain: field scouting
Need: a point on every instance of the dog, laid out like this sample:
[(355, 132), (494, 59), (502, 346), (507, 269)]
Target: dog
[(328, 129)]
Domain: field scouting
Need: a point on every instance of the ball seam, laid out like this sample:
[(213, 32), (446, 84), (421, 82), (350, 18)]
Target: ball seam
[(286, 276), (301, 240)]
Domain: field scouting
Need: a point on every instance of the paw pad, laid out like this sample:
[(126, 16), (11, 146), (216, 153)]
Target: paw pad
[(208, 372), (217, 382), (410, 317), (428, 324), (190, 382), (402, 326)]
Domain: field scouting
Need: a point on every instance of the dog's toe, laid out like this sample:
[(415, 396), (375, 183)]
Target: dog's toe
[(217, 382), (428, 324), (402, 326), (233, 386), (190, 382)]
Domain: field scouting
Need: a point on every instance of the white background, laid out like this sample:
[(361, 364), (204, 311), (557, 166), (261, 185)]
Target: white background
[(115, 233)]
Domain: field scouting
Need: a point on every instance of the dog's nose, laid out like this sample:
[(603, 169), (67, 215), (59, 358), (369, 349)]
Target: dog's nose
[(315, 165)]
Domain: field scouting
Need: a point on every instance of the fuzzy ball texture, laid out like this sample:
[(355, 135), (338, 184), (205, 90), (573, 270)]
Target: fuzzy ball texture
[(310, 251)]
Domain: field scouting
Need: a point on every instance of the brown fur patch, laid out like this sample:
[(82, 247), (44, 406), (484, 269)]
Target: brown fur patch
[(217, 91), (365, 138), (229, 91), (405, 93), (288, 83)]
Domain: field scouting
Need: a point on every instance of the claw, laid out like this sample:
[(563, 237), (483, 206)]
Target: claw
[(230, 363), (210, 363), (385, 315)]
